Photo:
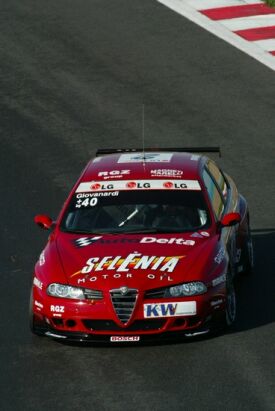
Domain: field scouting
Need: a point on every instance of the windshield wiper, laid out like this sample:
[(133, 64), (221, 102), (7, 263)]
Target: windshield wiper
[(83, 232), (149, 230)]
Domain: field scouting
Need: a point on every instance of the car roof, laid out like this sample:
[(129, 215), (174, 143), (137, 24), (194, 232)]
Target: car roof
[(131, 165)]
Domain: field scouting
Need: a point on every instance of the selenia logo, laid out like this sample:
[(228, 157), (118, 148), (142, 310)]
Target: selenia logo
[(134, 261)]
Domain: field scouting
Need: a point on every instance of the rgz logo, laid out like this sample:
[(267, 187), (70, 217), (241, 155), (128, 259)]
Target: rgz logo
[(57, 308)]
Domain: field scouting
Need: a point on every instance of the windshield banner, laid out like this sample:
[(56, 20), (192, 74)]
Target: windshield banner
[(95, 186)]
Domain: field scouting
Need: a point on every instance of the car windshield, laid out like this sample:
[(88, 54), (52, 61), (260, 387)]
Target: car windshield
[(136, 212)]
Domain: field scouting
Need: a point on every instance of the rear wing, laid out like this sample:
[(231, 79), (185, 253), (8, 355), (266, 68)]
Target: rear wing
[(105, 151)]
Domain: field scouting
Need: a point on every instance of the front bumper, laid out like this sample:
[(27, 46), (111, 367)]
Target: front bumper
[(78, 337), (96, 321)]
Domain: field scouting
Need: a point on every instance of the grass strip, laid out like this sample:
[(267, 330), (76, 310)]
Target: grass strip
[(270, 3)]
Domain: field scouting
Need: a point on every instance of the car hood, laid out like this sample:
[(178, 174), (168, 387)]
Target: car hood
[(143, 261)]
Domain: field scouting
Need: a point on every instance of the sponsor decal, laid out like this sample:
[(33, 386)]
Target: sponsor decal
[(204, 233), (42, 258), (145, 158), (196, 235), (38, 305), (133, 261), (173, 309), (194, 157), (37, 283), (57, 308), (91, 202), (164, 172), (113, 174), (238, 255), (219, 280), (97, 186), (121, 276), (178, 241), (100, 194), (124, 338), (220, 256), (216, 302), (84, 241), (122, 185), (137, 185)]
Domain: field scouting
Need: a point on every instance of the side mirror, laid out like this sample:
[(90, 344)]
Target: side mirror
[(230, 219), (43, 221)]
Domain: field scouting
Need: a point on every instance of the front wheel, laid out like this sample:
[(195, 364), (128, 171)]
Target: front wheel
[(231, 303), (228, 317)]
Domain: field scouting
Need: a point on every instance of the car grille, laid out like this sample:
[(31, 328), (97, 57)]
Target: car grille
[(138, 325), (124, 302)]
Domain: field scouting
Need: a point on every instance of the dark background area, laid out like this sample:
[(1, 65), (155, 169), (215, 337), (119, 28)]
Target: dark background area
[(73, 78)]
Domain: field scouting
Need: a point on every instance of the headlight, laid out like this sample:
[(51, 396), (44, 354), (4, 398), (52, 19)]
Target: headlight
[(187, 289), (65, 291)]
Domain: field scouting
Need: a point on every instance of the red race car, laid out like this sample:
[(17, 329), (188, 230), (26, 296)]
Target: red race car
[(146, 247)]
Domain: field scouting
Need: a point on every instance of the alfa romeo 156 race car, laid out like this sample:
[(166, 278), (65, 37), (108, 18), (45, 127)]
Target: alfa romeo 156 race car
[(146, 247)]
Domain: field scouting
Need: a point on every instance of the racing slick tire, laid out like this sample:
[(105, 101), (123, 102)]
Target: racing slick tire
[(231, 303), (247, 255), (35, 329)]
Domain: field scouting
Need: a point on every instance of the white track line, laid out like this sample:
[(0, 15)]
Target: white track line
[(243, 23), (268, 45), (252, 1), (212, 4), (220, 31)]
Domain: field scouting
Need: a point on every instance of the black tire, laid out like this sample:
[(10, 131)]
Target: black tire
[(231, 302), (225, 321), (248, 255)]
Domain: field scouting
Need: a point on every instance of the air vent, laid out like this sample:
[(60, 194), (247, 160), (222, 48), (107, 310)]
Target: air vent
[(124, 300), (156, 293), (93, 294)]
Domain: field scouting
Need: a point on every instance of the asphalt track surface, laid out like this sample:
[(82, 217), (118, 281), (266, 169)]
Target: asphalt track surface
[(74, 76)]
